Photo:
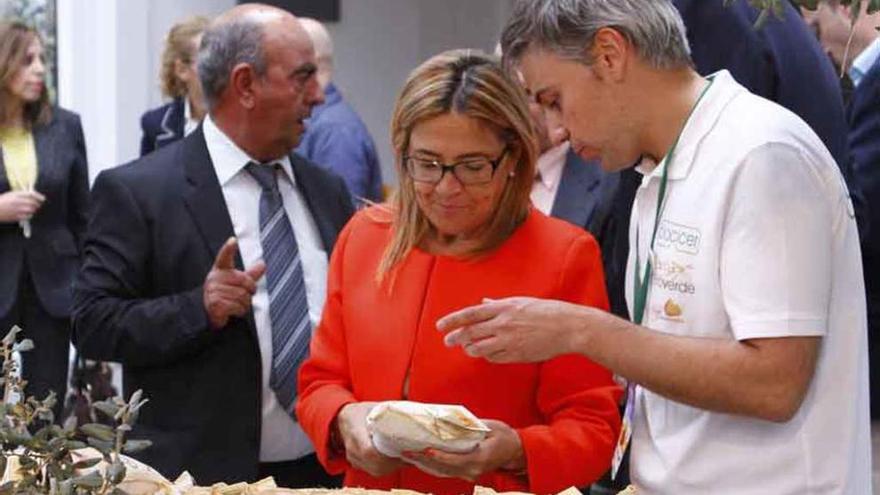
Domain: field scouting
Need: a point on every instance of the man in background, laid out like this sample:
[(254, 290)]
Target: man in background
[(205, 264), (860, 61), (336, 137)]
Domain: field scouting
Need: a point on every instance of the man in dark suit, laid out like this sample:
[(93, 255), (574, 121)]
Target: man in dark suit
[(781, 61), (173, 282), (865, 146), (856, 48), (582, 188)]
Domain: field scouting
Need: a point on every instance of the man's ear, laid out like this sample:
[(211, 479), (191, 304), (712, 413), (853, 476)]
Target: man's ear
[(610, 53), (241, 83)]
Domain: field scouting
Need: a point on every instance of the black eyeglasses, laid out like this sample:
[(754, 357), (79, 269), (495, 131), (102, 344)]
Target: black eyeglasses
[(470, 171)]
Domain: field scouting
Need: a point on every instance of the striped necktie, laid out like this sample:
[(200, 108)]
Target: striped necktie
[(288, 307)]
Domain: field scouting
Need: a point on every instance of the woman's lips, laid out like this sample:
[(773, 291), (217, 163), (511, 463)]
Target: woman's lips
[(451, 208)]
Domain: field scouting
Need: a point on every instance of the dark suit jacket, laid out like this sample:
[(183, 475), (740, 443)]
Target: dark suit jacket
[(583, 187), (156, 226), (52, 254), (864, 141), (782, 62), (161, 126)]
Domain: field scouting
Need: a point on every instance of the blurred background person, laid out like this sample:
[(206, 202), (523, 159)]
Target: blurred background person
[(43, 202), (861, 63), (459, 229), (335, 136), (179, 117)]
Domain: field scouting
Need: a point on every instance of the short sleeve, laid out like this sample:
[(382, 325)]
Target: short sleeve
[(775, 258)]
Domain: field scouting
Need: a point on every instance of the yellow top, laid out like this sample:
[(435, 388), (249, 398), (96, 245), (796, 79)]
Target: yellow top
[(19, 158)]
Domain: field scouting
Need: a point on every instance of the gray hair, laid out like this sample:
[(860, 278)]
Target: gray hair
[(225, 45), (567, 27)]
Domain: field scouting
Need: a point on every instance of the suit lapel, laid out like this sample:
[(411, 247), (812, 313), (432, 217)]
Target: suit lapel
[(310, 188), (576, 198), (203, 195), (46, 160), (172, 123)]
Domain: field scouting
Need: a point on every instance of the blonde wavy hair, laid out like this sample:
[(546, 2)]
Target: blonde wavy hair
[(470, 83), (179, 46)]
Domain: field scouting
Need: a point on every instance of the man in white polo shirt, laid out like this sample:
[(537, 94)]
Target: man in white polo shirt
[(746, 357)]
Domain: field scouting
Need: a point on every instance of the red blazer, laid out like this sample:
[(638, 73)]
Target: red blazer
[(370, 339)]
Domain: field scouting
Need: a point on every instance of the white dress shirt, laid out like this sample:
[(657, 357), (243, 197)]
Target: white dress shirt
[(189, 123), (864, 61), (281, 439), (549, 175)]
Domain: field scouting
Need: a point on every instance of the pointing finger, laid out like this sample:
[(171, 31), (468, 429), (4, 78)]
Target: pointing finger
[(468, 316), (256, 272), (226, 257)]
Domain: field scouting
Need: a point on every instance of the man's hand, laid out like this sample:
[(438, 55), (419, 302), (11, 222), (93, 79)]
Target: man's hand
[(228, 291), (19, 205), (513, 330), (501, 449), (359, 449)]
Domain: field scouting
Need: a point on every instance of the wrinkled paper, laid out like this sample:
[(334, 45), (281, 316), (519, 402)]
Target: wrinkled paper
[(404, 426)]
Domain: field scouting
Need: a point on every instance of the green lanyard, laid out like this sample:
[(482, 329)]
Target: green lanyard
[(641, 284)]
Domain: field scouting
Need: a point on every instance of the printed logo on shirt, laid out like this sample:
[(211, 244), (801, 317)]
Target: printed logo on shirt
[(673, 276), (675, 280), (682, 238)]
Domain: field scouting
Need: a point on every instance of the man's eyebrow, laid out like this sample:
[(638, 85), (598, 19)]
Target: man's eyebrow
[(306, 69)]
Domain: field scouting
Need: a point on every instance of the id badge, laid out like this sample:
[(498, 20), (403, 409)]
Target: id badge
[(625, 430)]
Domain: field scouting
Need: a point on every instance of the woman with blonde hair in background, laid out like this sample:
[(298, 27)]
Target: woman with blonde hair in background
[(177, 118), (460, 229), (43, 200)]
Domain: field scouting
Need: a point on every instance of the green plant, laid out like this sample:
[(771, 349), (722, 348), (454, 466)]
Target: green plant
[(42, 454)]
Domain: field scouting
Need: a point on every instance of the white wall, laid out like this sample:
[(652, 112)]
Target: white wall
[(378, 42), (108, 65), (109, 58)]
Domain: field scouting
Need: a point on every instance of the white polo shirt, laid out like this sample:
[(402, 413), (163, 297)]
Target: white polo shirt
[(757, 240)]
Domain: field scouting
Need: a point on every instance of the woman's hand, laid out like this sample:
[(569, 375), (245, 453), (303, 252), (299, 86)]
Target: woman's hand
[(19, 205), (359, 449), (501, 449)]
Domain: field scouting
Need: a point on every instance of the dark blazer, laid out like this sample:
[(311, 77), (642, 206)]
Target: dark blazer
[(52, 254), (775, 62), (156, 226), (864, 143), (583, 187), (163, 125)]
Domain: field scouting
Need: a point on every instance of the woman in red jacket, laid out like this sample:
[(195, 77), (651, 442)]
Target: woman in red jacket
[(460, 229)]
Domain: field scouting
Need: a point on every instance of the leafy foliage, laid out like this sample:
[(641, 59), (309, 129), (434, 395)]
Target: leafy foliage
[(41, 453)]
